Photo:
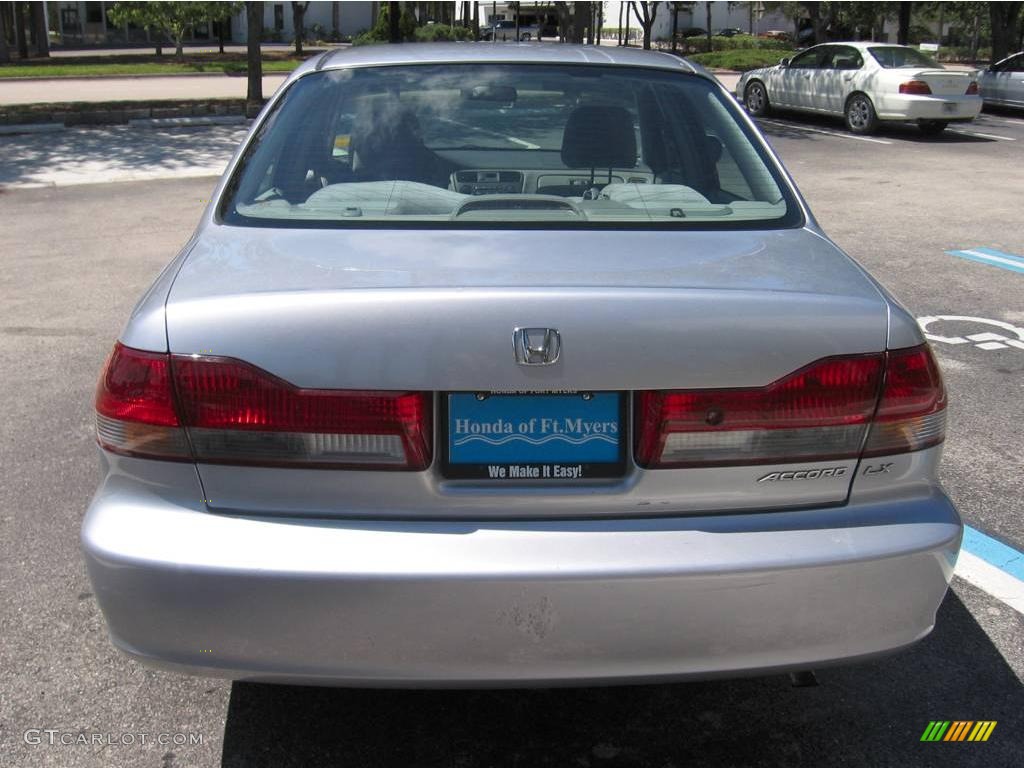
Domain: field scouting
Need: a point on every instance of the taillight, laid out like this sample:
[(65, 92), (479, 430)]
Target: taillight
[(135, 412), (819, 412), (911, 413), (236, 413), (822, 412), (972, 89), (916, 88)]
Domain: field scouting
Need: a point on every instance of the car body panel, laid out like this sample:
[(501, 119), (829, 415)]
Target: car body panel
[(1003, 83), (434, 604)]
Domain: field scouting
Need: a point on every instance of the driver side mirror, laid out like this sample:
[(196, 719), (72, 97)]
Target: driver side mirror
[(784, 62)]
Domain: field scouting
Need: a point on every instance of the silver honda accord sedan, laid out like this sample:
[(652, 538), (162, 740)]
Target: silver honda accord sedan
[(514, 365)]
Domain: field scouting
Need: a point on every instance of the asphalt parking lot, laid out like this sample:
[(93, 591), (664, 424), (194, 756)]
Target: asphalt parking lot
[(77, 257)]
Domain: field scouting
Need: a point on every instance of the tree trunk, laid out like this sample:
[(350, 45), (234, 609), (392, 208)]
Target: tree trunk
[(580, 21), (618, 31), (476, 20), (254, 60), (5, 52), (707, 13), (675, 27), (19, 30), (42, 33), (220, 33), (335, 21), (394, 32), (903, 33), (1004, 18), (299, 24)]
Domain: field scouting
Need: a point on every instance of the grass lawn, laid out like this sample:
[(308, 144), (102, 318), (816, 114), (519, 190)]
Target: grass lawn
[(89, 66), (742, 59)]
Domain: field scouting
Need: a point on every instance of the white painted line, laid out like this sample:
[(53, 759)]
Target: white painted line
[(980, 135), (988, 578), (990, 257), (837, 134), (513, 139)]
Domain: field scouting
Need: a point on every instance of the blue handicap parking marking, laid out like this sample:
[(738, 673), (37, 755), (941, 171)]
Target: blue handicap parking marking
[(992, 258), (994, 552)]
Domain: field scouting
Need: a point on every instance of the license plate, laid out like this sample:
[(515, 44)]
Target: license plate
[(950, 107), (534, 436)]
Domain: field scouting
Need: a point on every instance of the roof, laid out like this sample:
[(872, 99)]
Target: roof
[(483, 53)]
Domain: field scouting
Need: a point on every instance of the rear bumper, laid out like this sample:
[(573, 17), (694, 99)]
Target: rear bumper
[(906, 107), (516, 603)]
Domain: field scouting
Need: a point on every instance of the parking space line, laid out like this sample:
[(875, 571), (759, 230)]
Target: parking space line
[(837, 134), (980, 135), (992, 258), (992, 567)]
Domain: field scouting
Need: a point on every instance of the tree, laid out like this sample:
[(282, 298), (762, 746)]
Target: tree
[(254, 59), (1004, 17), (645, 13), (220, 13), (298, 24), (171, 19), (42, 34)]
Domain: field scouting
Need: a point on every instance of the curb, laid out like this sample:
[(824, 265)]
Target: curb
[(171, 122), (168, 114), (7, 130), (62, 79)]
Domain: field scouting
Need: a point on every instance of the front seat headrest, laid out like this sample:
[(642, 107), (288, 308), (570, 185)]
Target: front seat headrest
[(598, 136)]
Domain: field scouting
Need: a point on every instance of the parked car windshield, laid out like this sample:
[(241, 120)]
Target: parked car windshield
[(483, 145), (898, 57)]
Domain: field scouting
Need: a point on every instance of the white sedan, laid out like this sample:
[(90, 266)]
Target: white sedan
[(866, 83)]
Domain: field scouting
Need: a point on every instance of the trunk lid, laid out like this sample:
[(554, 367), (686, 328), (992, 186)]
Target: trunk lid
[(435, 311), (944, 82)]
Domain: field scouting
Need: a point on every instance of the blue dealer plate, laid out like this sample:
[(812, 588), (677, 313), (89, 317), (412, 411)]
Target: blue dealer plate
[(534, 436)]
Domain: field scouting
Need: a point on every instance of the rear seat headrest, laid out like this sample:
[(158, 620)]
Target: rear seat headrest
[(598, 136)]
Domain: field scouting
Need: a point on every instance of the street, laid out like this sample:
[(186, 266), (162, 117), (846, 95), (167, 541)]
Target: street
[(110, 207)]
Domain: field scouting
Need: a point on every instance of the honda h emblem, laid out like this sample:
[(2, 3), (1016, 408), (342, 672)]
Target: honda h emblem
[(536, 346)]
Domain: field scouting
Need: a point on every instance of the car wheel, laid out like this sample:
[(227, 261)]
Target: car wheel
[(756, 99), (932, 127), (525, 37), (860, 114)]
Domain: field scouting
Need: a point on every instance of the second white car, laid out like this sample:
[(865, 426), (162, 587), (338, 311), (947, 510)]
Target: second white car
[(866, 83)]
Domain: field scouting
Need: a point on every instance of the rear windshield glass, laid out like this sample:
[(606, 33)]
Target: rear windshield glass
[(509, 145), (897, 57)]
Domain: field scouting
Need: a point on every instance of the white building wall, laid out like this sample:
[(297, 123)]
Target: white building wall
[(353, 17)]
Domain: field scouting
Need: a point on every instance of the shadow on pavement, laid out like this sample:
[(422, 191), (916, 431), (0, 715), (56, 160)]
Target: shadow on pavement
[(865, 715), (116, 153)]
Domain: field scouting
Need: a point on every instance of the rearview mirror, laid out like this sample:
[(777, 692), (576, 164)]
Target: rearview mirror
[(502, 94), (784, 62)]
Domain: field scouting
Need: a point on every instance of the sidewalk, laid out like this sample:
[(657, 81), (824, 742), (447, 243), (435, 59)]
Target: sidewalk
[(143, 88)]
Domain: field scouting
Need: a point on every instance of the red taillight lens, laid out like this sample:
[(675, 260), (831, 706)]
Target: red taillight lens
[(915, 88), (819, 412), (237, 413), (972, 89), (912, 411), (135, 406)]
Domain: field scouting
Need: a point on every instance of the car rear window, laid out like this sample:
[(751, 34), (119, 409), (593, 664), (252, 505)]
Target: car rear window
[(897, 57), (506, 145)]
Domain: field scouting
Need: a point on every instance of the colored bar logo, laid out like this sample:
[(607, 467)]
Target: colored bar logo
[(958, 730)]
